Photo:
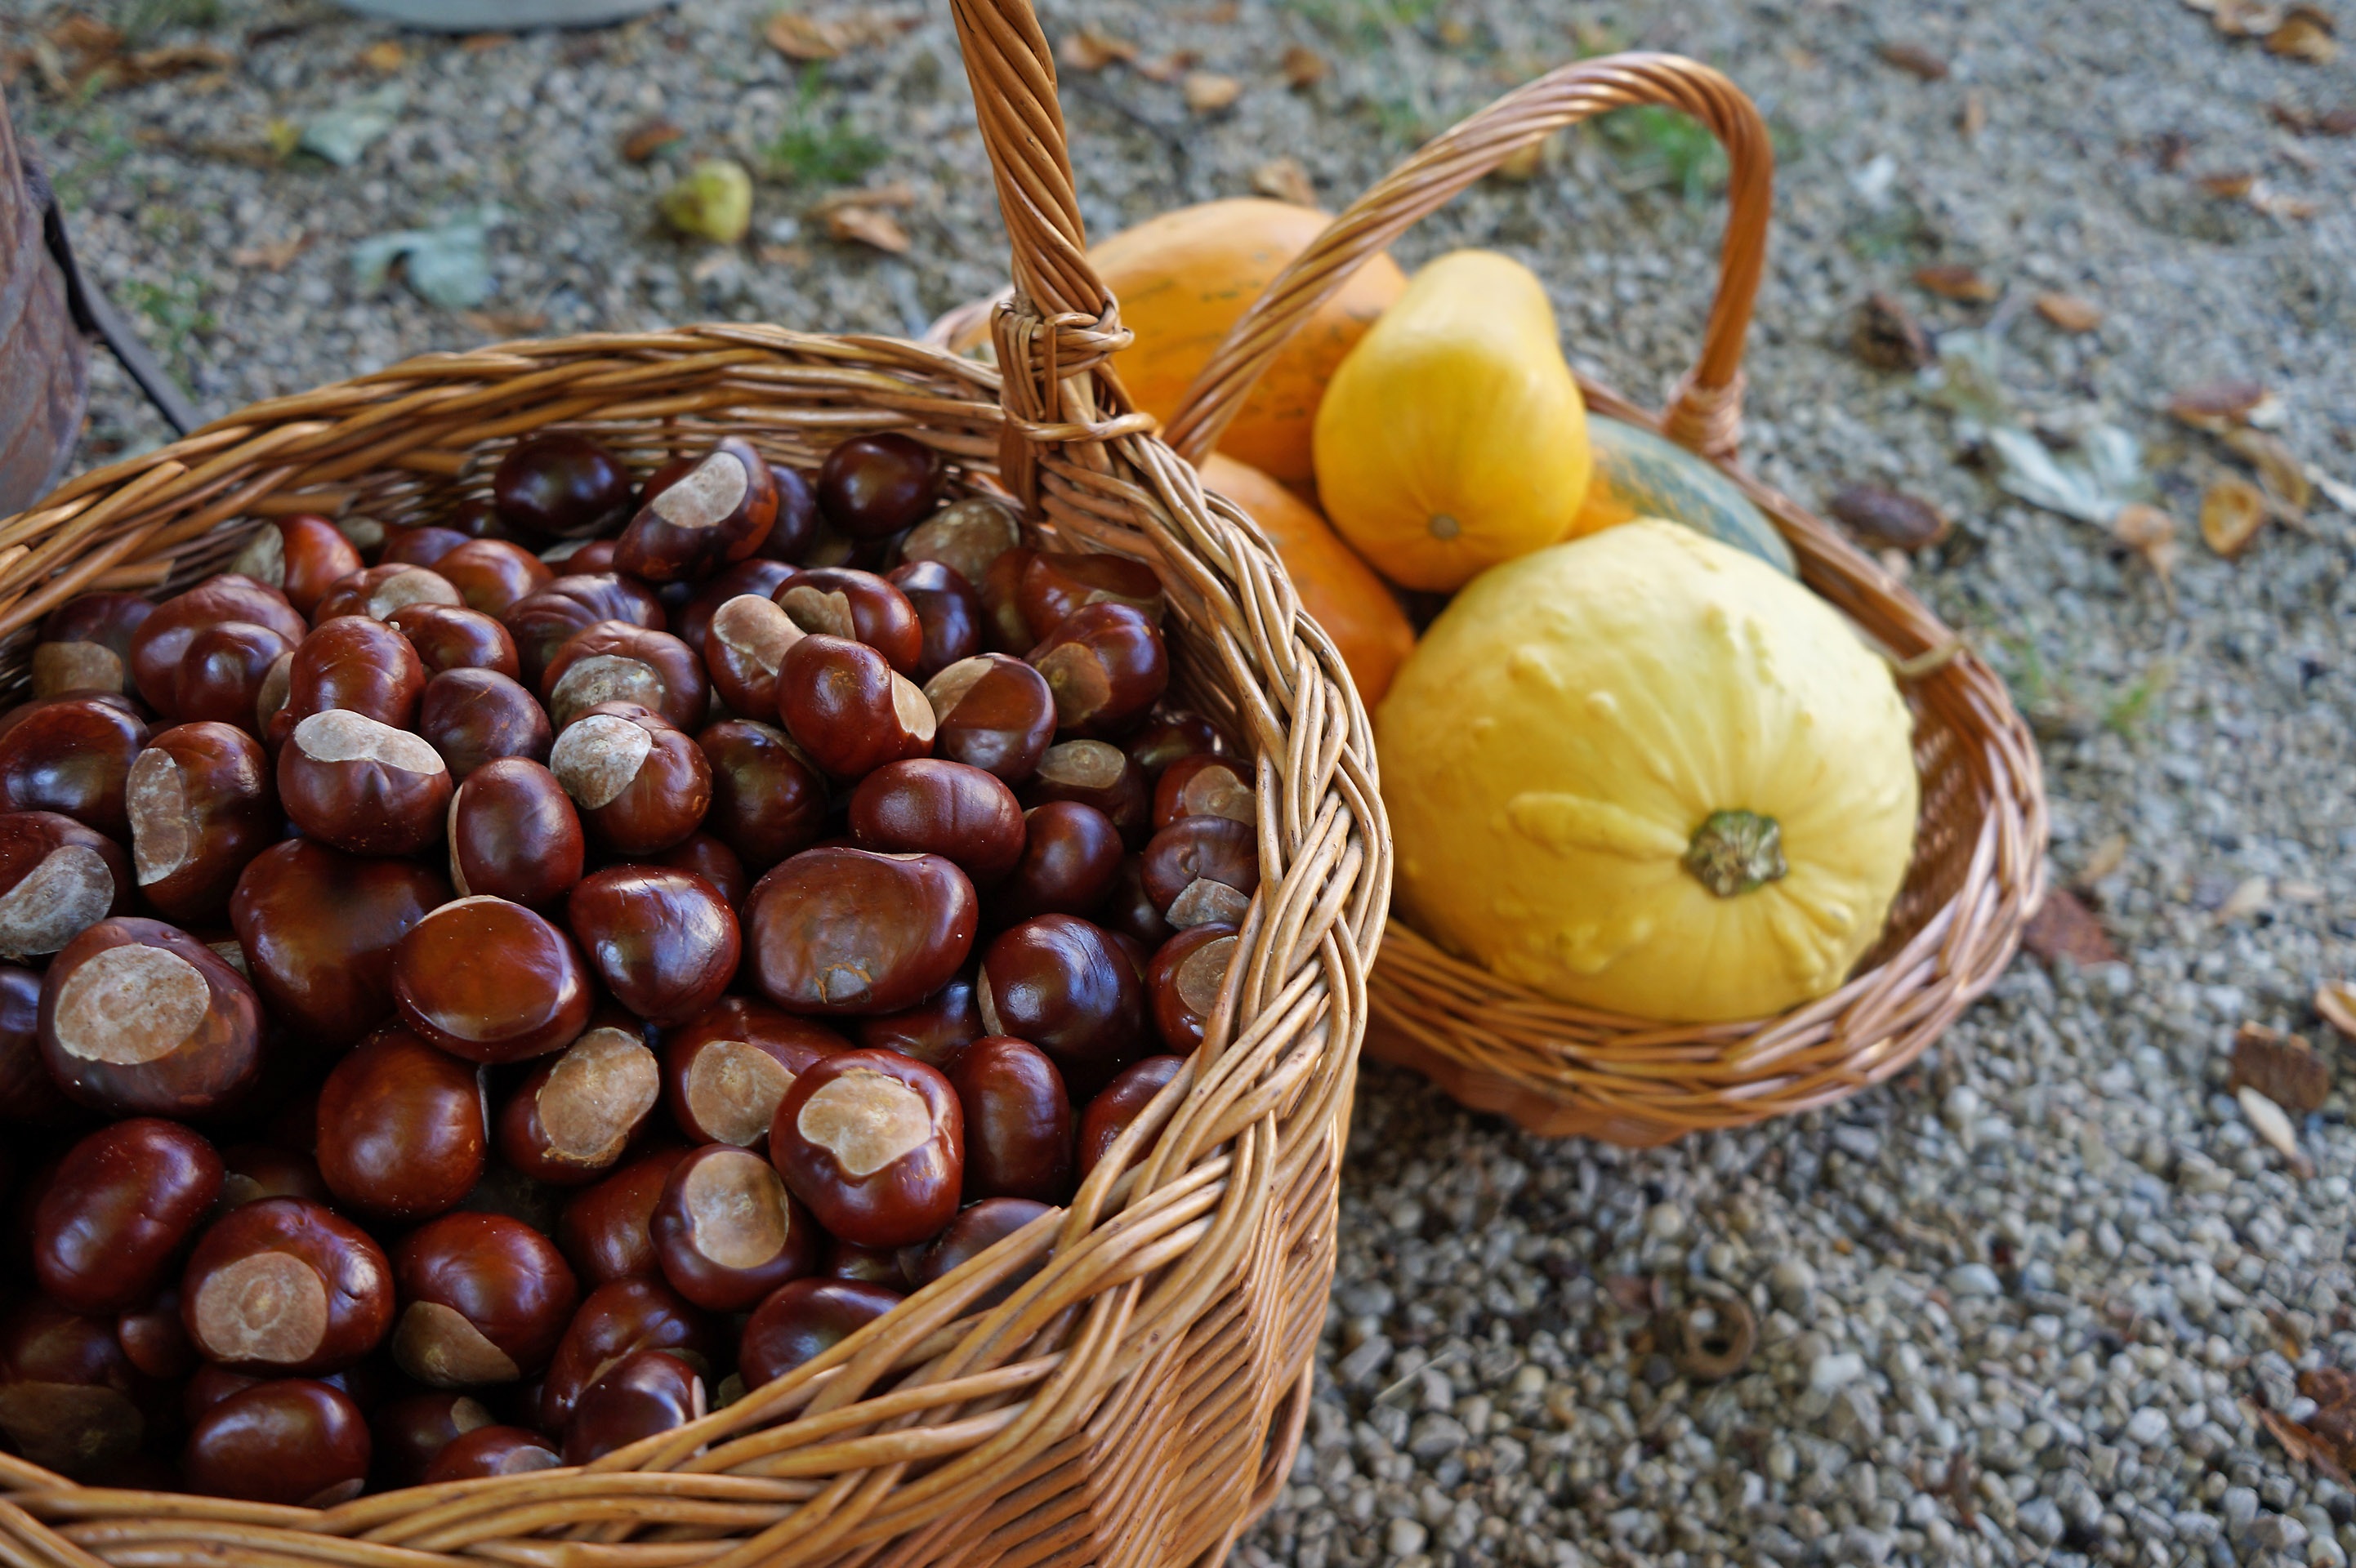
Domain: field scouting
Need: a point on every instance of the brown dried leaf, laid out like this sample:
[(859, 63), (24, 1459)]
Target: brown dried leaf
[(1170, 66), (2245, 18), (2304, 35), (2217, 405), (2285, 1069), (1285, 180), (2273, 1123), (1972, 119), (648, 139), (866, 226), (1890, 517), (2069, 313), (1303, 67), (899, 192), (2250, 895), (2336, 1000), (2265, 199), (2284, 476), (2300, 1445), (2108, 857), (275, 255), (1092, 49), (2231, 511), (484, 43), (1207, 91), (798, 36), (2152, 534), (384, 57), (2063, 927), (2230, 184), (1887, 337), (1916, 59), (1954, 281), (505, 323)]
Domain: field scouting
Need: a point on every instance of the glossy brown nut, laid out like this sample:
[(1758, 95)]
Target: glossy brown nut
[(846, 707), (490, 981), (705, 856), (616, 1321), (223, 673), (1004, 628), (796, 528), (873, 1265), (872, 485), (767, 799), (744, 643), (719, 510), (874, 1143), (842, 930), (367, 667), (1053, 584), (201, 805), (418, 546), (803, 1320), (449, 637), (362, 786), (1106, 666), (153, 1337), (72, 756), (570, 1121), (544, 622), (758, 577), (491, 575), (282, 1287), (1182, 985), (580, 556), (58, 879), (647, 1392), (1121, 1102), (1206, 784), (665, 942), (1202, 868), (558, 485), (1062, 985), (602, 1228), (927, 806), (29, 1095), (400, 1128), (85, 644), (613, 661), (140, 1018), (492, 1451), (948, 608), (254, 1171), (292, 1440), (933, 1030), (993, 712), (841, 601), (640, 784), (965, 536), (163, 636), (484, 1299), (1169, 735), (318, 928), (408, 1435), (1097, 773), (71, 1399), (514, 834), (974, 1231), (112, 1219), (1071, 858), (473, 717), (728, 1232), (375, 591), (1018, 1121), (726, 1069), (302, 556)]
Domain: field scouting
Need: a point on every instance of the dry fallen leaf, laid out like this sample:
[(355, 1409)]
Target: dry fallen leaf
[(866, 226), (2250, 895), (648, 139), (2231, 511), (504, 323), (2274, 1125), (2304, 35), (1972, 119), (1092, 49), (2283, 477), (2244, 19), (2071, 313), (2108, 857), (1207, 91), (2262, 197), (1915, 59), (1887, 337), (384, 57), (2217, 405), (1890, 517), (1170, 66), (1955, 280), (1285, 180), (2285, 1069), (798, 36), (899, 192), (1303, 67), (2229, 184), (2064, 927), (2336, 1001), (2152, 534), (275, 255), (484, 43)]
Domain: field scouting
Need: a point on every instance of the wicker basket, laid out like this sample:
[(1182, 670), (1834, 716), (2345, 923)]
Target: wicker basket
[(1978, 866), (1140, 1399)]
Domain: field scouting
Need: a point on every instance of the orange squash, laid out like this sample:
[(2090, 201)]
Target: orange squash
[(1340, 591), (1184, 278)]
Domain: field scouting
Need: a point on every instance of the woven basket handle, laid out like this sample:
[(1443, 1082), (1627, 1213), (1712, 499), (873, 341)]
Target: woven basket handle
[(1705, 412), (1061, 326)]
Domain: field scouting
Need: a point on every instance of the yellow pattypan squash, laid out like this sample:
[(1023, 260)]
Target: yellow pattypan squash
[(1453, 436), (1648, 773)]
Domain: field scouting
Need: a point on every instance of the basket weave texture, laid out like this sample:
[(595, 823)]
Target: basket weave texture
[(1979, 855), (1139, 1399)]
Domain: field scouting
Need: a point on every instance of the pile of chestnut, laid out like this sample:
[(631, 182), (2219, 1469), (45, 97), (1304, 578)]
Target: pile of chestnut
[(474, 996)]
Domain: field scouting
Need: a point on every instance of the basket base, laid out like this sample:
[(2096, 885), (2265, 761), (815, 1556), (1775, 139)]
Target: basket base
[(1480, 1091)]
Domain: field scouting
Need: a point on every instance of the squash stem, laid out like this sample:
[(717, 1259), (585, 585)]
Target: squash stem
[(1735, 852)]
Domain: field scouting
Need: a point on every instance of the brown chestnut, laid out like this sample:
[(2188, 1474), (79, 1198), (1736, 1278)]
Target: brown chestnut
[(1169, 735), (419, 546), (947, 609), (282, 1287), (843, 602), (647, 1392), (400, 1128), (727, 1068), (352, 662), (153, 1335), (58, 879), (844, 931), (846, 707), (570, 1121), (618, 1319), (758, 577), (118, 1209), (72, 755), (85, 644), (492, 1451), (641, 785), (449, 637), (292, 1440), (873, 486), (140, 1018), (875, 1265), (1062, 984), (603, 1227), (1098, 774), (484, 1299), (1106, 665), (301, 555), (201, 805), (705, 856), (1203, 869), (720, 510), (477, 715), (804, 1319), (966, 536), (581, 556), (933, 1030), (994, 712), (665, 942), (544, 622), (1053, 584), (491, 575), (71, 1399), (29, 1095), (976, 1229), (254, 1171), (796, 528), (874, 1143), (375, 591), (727, 1232), (745, 642), (1003, 629), (1185, 980), (408, 1435), (768, 801), (514, 834), (490, 981), (925, 806), (318, 928), (224, 673), (1121, 1101), (554, 484), (1071, 856), (1018, 1121), (613, 661), (1206, 784), (163, 637), (363, 786)]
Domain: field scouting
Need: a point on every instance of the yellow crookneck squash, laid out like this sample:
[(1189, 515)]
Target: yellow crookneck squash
[(1648, 773), (1453, 437)]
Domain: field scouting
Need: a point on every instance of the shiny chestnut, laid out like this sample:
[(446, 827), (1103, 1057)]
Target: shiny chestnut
[(544, 622), (1203, 869), (514, 834), (726, 1069), (804, 1319), (843, 602), (1206, 784), (704, 855), (646, 1393), (291, 1440), (1053, 584), (875, 1144), (490, 981), (1183, 983), (29, 1097), (112, 1221), (757, 578), (400, 1128), (665, 942), (58, 879), (484, 1299), (162, 637), (570, 1121), (1106, 665), (875, 486), (1003, 629), (949, 609), (845, 706), (933, 1030), (492, 575), (994, 712), (641, 783), (202, 804), (253, 1172), (419, 546), (449, 637), (367, 667), (1071, 858), (720, 510), (1169, 735), (224, 673), (603, 1227), (843, 930), (72, 755), (727, 1232), (613, 661), (1097, 773), (301, 555), (927, 806), (966, 536), (284, 1287), (554, 484), (977, 1228), (616, 1321), (477, 715), (1119, 1103), (319, 927), (1062, 984), (153, 1337), (768, 801), (492, 1451), (72, 1400), (363, 786), (375, 591), (85, 644), (140, 1018), (1018, 1121), (744, 643), (409, 1434)]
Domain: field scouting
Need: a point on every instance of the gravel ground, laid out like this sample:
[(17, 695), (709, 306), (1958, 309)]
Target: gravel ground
[(2022, 1305)]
